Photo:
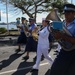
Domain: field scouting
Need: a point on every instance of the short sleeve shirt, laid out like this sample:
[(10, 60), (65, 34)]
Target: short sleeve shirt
[(71, 28), (32, 27)]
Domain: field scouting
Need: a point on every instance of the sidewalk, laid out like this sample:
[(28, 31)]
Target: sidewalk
[(14, 64)]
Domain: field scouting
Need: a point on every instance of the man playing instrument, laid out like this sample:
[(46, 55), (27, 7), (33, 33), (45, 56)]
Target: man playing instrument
[(64, 63), (31, 45)]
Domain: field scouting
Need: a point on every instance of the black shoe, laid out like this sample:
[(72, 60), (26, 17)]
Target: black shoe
[(56, 51), (33, 70), (17, 50), (0, 63), (26, 57)]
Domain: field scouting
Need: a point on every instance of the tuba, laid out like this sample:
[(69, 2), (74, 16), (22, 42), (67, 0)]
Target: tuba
[(54, 17)]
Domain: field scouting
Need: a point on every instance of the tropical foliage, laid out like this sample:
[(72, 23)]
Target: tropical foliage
[(32, 7)]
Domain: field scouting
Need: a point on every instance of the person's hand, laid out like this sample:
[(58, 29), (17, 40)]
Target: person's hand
[(36, 28), (57, 35)]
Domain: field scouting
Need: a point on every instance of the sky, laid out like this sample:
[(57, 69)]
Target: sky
[(12, 16)]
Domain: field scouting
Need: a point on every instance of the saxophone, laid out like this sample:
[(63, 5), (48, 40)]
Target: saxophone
[(35, 34)]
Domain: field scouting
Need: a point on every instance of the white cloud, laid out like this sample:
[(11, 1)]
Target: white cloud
[(3, 14)]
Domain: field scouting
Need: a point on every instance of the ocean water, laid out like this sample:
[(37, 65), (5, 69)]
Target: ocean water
[(10, 26)]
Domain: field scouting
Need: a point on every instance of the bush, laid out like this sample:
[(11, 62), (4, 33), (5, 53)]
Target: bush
[(2, 30), (12, 28)]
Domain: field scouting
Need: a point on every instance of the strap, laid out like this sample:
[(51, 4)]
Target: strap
[(48, 28)]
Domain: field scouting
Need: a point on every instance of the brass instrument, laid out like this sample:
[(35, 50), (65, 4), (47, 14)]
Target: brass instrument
[(54, 17), (67, 46), (35, 34)]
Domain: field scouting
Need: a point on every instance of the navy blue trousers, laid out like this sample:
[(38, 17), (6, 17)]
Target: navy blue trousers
[(31, 45), (64, 63)]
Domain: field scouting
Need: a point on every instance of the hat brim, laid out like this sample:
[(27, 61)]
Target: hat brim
[(67, 11), (31, 19)]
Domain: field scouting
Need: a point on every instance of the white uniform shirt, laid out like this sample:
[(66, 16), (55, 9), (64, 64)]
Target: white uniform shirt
[(43, 37)]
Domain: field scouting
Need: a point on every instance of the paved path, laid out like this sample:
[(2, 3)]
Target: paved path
[(13, 64)]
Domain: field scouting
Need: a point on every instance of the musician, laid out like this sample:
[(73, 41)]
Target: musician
[(22, 39), (31, 45), (64, 63), (43, 45)]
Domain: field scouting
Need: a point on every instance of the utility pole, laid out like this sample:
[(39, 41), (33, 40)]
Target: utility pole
[(71, 1), (0, 15), (7, 15)]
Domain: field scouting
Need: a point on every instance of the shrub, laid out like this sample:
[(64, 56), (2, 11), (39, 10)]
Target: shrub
[(12, 28), (3, 30)]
